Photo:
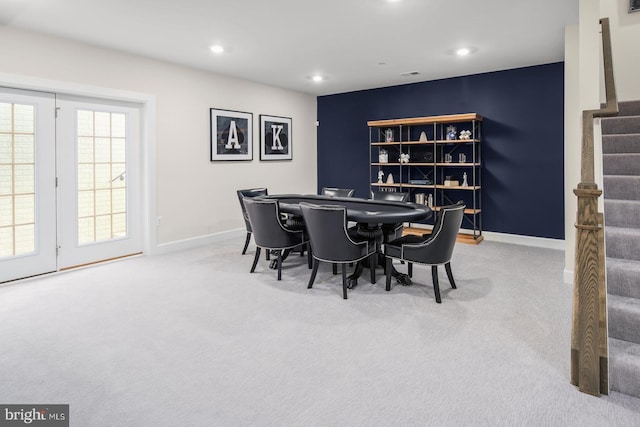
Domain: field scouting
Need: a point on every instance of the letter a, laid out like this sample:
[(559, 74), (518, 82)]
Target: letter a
[(233, 137), (276, 129)]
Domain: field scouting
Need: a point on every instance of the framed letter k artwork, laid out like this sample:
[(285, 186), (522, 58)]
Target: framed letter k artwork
[(275, 138), (231, 135)]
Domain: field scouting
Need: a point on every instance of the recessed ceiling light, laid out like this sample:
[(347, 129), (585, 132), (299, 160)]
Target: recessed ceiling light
[(216, 48), (463, 51), (317, 78)]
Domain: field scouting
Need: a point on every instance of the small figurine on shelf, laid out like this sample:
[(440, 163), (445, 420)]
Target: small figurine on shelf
[(464, 180), (451, 133), (380, 175), (465, 134), (404, 158), (423, 136)]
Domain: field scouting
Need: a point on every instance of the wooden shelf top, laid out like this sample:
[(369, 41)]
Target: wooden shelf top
[(439, 187), (451, 118)]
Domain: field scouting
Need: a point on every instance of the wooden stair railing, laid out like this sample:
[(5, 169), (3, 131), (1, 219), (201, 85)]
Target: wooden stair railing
[(589, 364)]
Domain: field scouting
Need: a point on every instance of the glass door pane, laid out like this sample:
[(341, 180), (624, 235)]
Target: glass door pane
[(102, 178)]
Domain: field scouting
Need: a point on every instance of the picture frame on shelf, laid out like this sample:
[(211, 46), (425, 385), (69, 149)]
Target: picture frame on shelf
[(275, 138), (231, 136)]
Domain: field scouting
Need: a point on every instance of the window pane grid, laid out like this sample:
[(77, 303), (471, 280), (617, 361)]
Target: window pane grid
[(17, 179), (102, 212)]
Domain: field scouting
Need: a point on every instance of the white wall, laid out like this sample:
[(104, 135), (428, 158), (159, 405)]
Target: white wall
[(625, 35), (195, 197)]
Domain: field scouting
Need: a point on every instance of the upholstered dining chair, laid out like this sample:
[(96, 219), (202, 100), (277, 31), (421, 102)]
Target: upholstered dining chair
[(243, 194), (394, 196), (390, 231), (337, 192), (332, 242), (429, 249), (269, 232)]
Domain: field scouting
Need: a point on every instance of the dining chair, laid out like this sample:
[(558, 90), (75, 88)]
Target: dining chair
[(394, 196), (337, 192), (332, 242), (390, 231), (243, 194), (271, 234), (429, 249)]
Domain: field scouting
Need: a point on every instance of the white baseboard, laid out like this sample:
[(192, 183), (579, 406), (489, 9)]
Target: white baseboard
[(568, 276), (195, 242), (516, 239), (538, 242)]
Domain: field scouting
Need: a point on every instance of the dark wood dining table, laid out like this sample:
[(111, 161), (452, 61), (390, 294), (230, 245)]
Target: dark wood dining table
[(370, 216)]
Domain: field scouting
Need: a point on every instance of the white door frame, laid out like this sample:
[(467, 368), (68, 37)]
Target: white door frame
[(147, 138)]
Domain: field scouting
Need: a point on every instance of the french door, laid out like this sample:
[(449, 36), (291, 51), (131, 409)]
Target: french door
[(98, 181), (68, 185), (27, 184)]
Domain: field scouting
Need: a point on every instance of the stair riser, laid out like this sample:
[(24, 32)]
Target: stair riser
[(622, 187), (624, 376), (629, 108), (612, 144), (622, 244), (622, 280), (621, 164), (619, 125), (624, 323), (622, 213)]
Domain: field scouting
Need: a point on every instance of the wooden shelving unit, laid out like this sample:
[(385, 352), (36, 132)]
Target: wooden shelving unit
[(432, 161)]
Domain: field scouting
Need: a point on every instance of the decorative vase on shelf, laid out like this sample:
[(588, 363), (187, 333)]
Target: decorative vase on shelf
[(423, 136), (464, 180), (390, 179)]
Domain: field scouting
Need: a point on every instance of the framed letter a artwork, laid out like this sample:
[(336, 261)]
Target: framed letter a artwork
[(275, 138), (231, 135)]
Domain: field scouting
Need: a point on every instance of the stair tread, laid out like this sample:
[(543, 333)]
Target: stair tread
[(622, 348), (631, 303), (625, 263)]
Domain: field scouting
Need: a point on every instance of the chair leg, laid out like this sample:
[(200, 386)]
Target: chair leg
[(313, 273), (268, 255), (309, 255), (388, 269), (255, 259), (280, 264), (373, 261), (246, 243), (447, 267), (410, 269), (335, 268), (344, 281), (436, 287)]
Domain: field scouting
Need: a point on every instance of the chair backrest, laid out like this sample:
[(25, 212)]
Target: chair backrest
[(268, 231), (251, 192), (438, 247), (396, 196), (327, 229), (337, 192)]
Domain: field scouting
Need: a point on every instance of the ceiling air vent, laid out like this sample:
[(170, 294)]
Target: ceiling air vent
[(410, 73)]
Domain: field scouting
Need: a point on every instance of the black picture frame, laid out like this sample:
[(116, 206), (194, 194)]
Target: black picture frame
[(231, 135), (275, 138), (634, 6)]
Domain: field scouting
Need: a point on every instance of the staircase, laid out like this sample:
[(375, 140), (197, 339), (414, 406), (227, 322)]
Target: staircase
[(621, 169)]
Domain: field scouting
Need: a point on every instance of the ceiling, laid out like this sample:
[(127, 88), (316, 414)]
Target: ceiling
[(354, 44)]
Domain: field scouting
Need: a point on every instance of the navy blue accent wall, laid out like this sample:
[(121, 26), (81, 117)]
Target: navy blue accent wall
[(522, 146)]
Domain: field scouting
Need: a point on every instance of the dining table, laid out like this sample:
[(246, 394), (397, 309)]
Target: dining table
[(369, 216)]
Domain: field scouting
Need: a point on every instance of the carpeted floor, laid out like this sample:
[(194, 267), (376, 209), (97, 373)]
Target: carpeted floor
[(193, 339)]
